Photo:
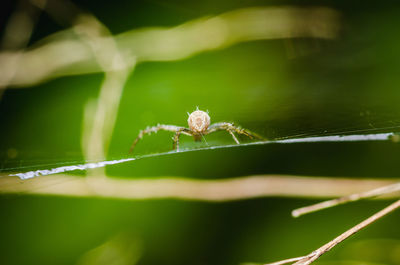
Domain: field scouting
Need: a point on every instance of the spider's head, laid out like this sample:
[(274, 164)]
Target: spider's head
[(198, 121)]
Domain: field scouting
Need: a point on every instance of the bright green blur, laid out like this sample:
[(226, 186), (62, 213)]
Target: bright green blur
[(276, 88)]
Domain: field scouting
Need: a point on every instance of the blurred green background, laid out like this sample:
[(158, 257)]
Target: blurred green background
[(277, 88)]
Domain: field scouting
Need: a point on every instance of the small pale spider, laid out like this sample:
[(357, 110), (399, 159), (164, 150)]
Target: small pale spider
[(199, 125)]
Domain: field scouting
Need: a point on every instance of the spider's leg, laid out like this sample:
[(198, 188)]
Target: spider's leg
[(233, 136), (155, 129), (229, 127), (244, 132), (176, 137), (176, 141), (223, 126), (141, 133), (239, 130)]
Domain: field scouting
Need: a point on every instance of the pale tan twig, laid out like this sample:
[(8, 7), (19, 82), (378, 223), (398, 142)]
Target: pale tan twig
[(328, 246), (286, 261), (167, 44), (100, 114), (17, 34), (345, 199), (325, 248), (189, 189)]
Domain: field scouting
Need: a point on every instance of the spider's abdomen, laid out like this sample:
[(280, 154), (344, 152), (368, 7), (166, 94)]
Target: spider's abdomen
[(199, 121)]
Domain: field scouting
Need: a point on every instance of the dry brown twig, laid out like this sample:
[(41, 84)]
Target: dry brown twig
[(308, 259)]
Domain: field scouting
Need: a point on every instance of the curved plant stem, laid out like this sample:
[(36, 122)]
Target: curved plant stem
[(189, 189), (328, 246), (345, 199)]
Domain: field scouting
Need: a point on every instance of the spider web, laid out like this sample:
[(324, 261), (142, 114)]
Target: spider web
[(55, 168)]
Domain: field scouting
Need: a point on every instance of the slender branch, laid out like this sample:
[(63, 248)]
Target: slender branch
[(328, 246), (100, 114), (189, 189), (345, 199), (325, 248), (168, 44), (17, 33), (286, 261)]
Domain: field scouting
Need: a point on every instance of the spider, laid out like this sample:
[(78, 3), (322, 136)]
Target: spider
[(199, 125)]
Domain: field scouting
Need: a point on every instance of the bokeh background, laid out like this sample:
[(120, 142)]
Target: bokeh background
[(289, 86)]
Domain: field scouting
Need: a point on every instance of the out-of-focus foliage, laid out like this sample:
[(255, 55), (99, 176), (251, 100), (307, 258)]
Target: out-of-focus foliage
[(278, 88)]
